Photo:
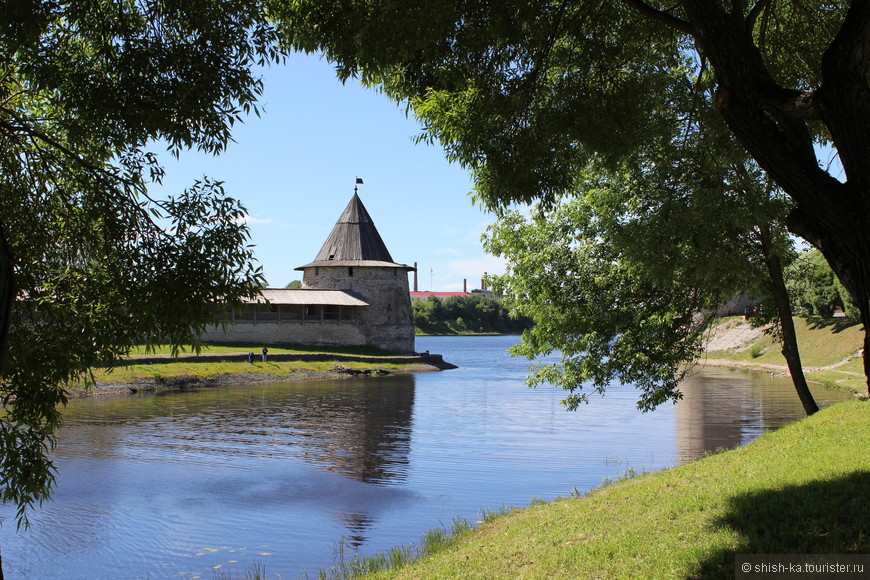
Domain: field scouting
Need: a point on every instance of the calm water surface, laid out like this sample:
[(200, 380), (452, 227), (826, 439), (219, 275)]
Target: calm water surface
[(184, 485)]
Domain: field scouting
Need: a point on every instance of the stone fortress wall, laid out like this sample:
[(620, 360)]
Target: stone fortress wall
[(387, 322), (366, 299)]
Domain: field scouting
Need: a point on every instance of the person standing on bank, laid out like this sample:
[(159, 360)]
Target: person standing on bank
[(265, 352)]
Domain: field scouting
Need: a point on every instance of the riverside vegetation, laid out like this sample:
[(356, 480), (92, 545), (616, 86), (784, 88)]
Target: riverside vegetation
[(772, 496), (472, 314), (230, 365)]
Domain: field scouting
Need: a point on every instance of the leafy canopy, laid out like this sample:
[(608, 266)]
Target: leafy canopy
[(532, 95), (814, 288), (525, 93), (622, 277), (91, 263)]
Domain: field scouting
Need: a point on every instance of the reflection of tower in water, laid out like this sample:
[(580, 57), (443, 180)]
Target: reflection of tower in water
[(357, 430), (357, 525), (360, 430)]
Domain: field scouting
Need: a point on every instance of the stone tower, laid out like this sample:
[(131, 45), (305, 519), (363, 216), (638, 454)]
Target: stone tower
[(355, 259)]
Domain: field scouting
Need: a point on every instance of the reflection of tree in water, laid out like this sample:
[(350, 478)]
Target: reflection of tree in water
[(724, 409)]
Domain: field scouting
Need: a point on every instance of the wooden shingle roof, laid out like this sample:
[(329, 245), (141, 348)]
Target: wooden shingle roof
[(307, 296), (354, 241)]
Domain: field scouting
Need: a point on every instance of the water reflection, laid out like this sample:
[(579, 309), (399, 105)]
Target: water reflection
[(173, 485), (282, 455), (360, 429), (723, 408)]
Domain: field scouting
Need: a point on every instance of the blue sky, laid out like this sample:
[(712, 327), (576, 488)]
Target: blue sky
[(294, 169)]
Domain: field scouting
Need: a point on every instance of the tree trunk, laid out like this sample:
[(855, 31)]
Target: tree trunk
[(847, 250), (831, 215), (789, 336)]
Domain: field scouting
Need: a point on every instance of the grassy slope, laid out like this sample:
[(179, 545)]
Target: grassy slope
[(822, 343), (801, 489)]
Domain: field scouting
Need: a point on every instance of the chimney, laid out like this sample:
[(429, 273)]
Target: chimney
[(483, 282), (465, 285), (415, 277)]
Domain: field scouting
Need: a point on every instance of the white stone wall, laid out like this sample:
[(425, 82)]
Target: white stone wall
[(387, 323), (325, 333)]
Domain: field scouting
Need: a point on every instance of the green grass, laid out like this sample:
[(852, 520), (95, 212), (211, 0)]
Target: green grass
[(211, 370), (822, 343), (798, 490), (179, 367)]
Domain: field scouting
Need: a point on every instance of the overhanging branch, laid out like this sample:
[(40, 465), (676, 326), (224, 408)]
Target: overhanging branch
[(661, 16), (792, 104), (755, 13), (845, 95)]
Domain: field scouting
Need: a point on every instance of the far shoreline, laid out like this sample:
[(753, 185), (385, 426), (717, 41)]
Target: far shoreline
[(285, 368)]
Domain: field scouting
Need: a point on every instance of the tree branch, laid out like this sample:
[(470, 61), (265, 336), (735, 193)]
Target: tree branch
[(661, 16), (7, 292), (755, 13), (767, 119), (844, 94), (792, 104)]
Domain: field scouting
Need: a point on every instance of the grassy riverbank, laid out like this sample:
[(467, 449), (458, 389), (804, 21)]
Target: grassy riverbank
[(829, 349), (798, 490), (219, 364)]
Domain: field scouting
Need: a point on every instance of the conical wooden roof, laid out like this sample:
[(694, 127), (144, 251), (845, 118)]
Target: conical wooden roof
[(354, 241)]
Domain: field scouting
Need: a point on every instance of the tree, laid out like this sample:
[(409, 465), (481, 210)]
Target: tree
[(294, 284), (92, 262), (815, 289), (527, 94), (429, 315), (622, 277), (467, 313)]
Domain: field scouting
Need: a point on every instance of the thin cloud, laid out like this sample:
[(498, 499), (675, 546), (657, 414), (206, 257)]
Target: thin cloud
[(252, 220)]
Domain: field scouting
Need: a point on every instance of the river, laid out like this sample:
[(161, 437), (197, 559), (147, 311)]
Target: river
[(294, 476)]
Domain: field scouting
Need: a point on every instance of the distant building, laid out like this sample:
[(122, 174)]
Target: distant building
[(482, 291), (440, 295), (353, 294)]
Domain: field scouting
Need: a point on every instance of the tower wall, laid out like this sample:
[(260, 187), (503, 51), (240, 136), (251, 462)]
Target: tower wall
[(387, 323), (309, 333)]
